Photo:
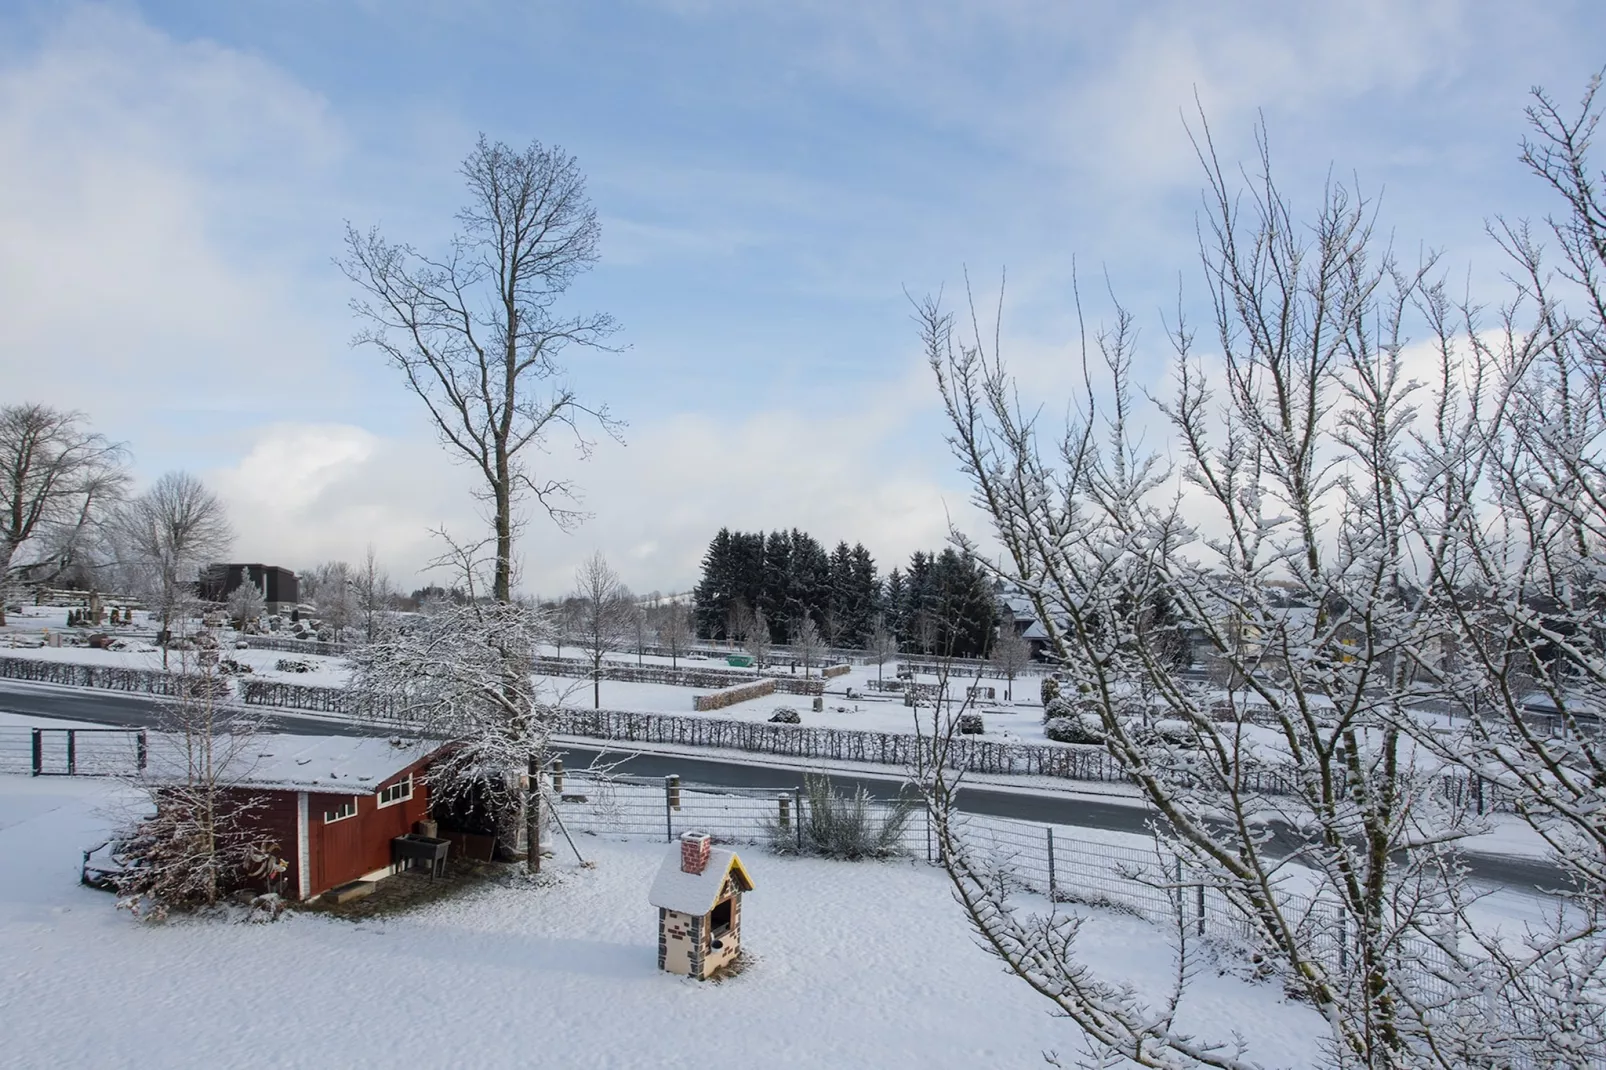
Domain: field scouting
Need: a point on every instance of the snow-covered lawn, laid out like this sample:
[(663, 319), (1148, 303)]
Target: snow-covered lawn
[(853, 965)]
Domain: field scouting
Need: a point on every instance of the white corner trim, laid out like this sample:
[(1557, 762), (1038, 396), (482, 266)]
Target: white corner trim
[(303, 853)]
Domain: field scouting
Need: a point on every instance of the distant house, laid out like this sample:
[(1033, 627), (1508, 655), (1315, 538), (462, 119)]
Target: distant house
[(278, 585), (334, 804)]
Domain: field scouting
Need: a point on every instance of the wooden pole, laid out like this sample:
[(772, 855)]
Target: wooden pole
[(532, 813)]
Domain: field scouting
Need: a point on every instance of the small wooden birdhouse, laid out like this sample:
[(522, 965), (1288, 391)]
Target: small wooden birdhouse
[(698, 893)]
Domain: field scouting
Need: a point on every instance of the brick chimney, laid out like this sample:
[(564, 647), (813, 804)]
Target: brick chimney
[(694, 848)]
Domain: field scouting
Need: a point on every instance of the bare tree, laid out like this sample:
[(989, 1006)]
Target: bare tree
[(675, 631), (372, 590), (1341, 521), (164, 538), (1011, 654), (474, 333), (883, 646), (56, 480), (605, 616), (757, 637), (639, 627), (808, 643)]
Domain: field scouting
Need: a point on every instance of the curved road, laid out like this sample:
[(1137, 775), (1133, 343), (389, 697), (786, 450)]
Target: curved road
[(1070, 808)]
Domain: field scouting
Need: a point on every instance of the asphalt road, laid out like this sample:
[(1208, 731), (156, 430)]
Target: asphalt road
[(1072, 807)]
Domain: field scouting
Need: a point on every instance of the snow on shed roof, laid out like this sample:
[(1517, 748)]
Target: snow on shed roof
[(695, 893), (345, 765)]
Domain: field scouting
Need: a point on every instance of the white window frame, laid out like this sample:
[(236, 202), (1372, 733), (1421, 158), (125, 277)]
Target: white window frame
[(406, 782), (340, 814)]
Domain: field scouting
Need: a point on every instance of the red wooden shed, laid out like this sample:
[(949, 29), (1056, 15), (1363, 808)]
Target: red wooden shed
[(334, 803)]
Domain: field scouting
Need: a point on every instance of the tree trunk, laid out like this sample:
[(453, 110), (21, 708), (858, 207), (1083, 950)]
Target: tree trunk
[(502, 586), (6, 552)]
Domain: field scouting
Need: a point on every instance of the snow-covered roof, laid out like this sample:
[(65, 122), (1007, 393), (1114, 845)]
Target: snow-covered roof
[(696, 893), (346, 765)]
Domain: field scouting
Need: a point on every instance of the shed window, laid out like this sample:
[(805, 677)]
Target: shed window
[(341, 812), (400, 791)]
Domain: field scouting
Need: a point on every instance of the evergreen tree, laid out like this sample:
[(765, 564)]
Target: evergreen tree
[(713, 593)]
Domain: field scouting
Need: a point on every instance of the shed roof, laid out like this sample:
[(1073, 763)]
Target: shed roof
[(344, 765), (696, 893)]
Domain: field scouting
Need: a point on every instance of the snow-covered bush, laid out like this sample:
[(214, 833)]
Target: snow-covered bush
[(849, 827), (785, 715), (1072, 729), (292, 665), (970, 724), (1050, 690), (1057, 708)]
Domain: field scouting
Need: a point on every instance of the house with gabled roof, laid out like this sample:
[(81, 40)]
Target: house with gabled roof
[(698, 893)]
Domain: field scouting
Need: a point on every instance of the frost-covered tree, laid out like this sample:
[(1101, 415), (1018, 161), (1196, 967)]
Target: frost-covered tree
[(164, 538), (1362, 547), (193, 841), (463, 671), (336, 597), (57, 481), (675, 630), (1011, 654), (883, 646), (246, 603), (755, 630), (810, 646), (372, 591)]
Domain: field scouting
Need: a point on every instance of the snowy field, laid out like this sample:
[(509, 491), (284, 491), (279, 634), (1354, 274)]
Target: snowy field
[(862, 965)]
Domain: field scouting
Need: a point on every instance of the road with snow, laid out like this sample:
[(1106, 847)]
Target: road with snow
[(1076, 805)]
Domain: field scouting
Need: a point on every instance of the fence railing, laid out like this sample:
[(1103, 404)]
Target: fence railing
[(990, 757), (73, 751)]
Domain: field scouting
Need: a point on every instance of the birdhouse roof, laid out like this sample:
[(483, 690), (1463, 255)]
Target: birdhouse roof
[(696, 893)]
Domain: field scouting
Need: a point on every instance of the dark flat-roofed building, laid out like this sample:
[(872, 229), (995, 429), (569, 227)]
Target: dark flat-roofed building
[(279, 586)]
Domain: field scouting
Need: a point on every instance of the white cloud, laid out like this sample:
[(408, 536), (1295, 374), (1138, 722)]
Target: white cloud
[(143, 217)]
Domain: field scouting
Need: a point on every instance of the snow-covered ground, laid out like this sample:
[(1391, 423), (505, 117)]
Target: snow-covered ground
[(856, 965)]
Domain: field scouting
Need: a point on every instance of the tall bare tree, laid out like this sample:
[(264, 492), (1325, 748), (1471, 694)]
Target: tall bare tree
[(57, 479), (474, 332), (163, 539), (372, 588), (606, 616)]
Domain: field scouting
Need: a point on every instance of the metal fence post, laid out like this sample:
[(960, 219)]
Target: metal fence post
[(72, 752), (143, 750), (557, 777), (1052, 896), (1201, 898), (38, 752), (784, 816), (798, 794)]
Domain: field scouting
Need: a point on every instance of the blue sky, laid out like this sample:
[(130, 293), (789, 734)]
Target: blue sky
[(771, 179)]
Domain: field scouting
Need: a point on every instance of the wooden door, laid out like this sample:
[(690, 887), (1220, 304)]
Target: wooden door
[(339, 853)]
